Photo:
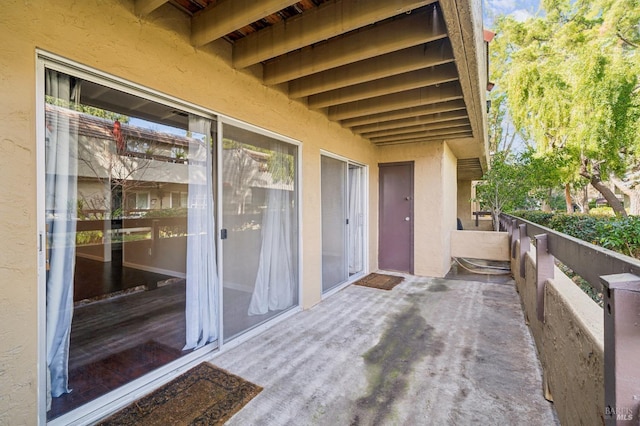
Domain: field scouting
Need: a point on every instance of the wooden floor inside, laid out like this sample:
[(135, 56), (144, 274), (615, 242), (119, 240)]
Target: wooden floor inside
[(127, 323)]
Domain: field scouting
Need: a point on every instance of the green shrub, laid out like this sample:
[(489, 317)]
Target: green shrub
[(535, 216), (615, 233), (621, 235), (577, 225)]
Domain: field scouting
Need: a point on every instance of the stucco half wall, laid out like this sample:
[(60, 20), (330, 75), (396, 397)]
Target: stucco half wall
[(570, 343), (487, 245)]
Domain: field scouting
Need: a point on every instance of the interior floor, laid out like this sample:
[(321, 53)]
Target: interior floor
[(127, 323)]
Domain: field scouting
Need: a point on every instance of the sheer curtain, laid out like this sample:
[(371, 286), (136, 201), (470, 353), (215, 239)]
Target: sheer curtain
[(61, 180), (275, 281), (356, 219), (202, 278)]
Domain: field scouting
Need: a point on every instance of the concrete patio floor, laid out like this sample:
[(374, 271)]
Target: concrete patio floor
[(429, 352)]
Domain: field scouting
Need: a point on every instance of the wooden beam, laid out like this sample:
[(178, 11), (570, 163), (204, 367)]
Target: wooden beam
[(226, 16), (410, 30), (411, 59), (396, 101), (384, 86), (415, 120), (415, 129), (145, 7), (418, 135), (429, 139), (329, 20), (405, 113)]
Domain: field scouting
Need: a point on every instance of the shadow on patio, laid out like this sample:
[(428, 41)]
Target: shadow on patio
[(431, 351)]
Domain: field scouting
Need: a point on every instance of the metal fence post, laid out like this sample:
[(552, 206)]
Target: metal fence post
[(544, 271), (621, 348)]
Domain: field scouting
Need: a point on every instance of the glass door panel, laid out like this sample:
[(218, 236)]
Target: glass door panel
[(118, 246), (356, 220), (334, 221), (260, 228)]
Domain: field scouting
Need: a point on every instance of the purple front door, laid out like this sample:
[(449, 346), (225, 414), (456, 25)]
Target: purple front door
[(395, 246)]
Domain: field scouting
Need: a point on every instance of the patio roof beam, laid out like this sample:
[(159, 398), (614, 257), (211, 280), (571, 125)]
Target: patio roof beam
[(329, 20), (384, 86), (463, 134), (420, 128), (412, 121), (395, 101), (405, 113), (408, 31), (145, 7), (411, 59), (226, 16), (422, 135)]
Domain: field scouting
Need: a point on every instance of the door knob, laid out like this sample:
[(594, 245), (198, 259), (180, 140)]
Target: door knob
[(407, 219)]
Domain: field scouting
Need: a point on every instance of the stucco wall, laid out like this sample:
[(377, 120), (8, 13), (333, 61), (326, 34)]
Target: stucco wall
[(434, 202), (464, 202), (570, 344), (155, 52), (487, 245)]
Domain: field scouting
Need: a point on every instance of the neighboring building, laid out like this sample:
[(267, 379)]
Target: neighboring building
[(176, 176)]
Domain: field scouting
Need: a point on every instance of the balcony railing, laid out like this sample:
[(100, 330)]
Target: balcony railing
[(615, 275)]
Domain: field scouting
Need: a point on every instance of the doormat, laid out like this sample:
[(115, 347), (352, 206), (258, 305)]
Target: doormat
[(380, 281), (204, 395)]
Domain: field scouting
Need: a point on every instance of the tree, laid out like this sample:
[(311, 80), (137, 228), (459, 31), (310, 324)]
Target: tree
[(571, 81), (504, 187)]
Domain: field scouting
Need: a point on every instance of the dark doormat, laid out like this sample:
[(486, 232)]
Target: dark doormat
[(204, 395), (380, 281)]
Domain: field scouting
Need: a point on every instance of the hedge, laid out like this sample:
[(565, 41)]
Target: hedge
[(615, 233)]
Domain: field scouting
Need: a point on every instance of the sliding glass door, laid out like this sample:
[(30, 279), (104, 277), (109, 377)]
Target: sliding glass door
[(342, 221), (259, 228), (132, 186), (131, 278)]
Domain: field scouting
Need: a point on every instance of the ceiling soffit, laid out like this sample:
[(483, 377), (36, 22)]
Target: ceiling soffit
[(393, 72)]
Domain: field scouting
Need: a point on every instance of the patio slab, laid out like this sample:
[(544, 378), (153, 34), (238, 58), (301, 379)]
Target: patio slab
[(430, 351)]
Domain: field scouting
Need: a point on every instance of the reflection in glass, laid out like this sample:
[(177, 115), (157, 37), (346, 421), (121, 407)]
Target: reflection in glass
[(118, 202), (260, 254)]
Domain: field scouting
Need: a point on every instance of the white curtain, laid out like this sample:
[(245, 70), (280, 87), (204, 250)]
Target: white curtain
[(275, 281), (356, 220), (202, 279), (61, 171)]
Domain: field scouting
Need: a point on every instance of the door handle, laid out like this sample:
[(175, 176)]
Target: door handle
[(407, 219)]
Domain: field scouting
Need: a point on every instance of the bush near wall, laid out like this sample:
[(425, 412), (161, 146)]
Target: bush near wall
[(615, 233)]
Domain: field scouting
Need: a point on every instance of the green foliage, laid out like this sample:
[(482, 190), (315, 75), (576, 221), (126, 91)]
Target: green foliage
[(535, 216), (281, 167), (86, 109), (620, 234), (601, 211), (501, 188), (570, 77), (160, 213)]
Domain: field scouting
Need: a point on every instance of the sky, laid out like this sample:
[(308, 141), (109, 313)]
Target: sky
[(519, 9)]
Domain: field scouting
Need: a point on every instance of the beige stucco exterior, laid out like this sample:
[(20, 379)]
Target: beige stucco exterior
[(156, 53), (570, 343), (487, 245), (434, 202)]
